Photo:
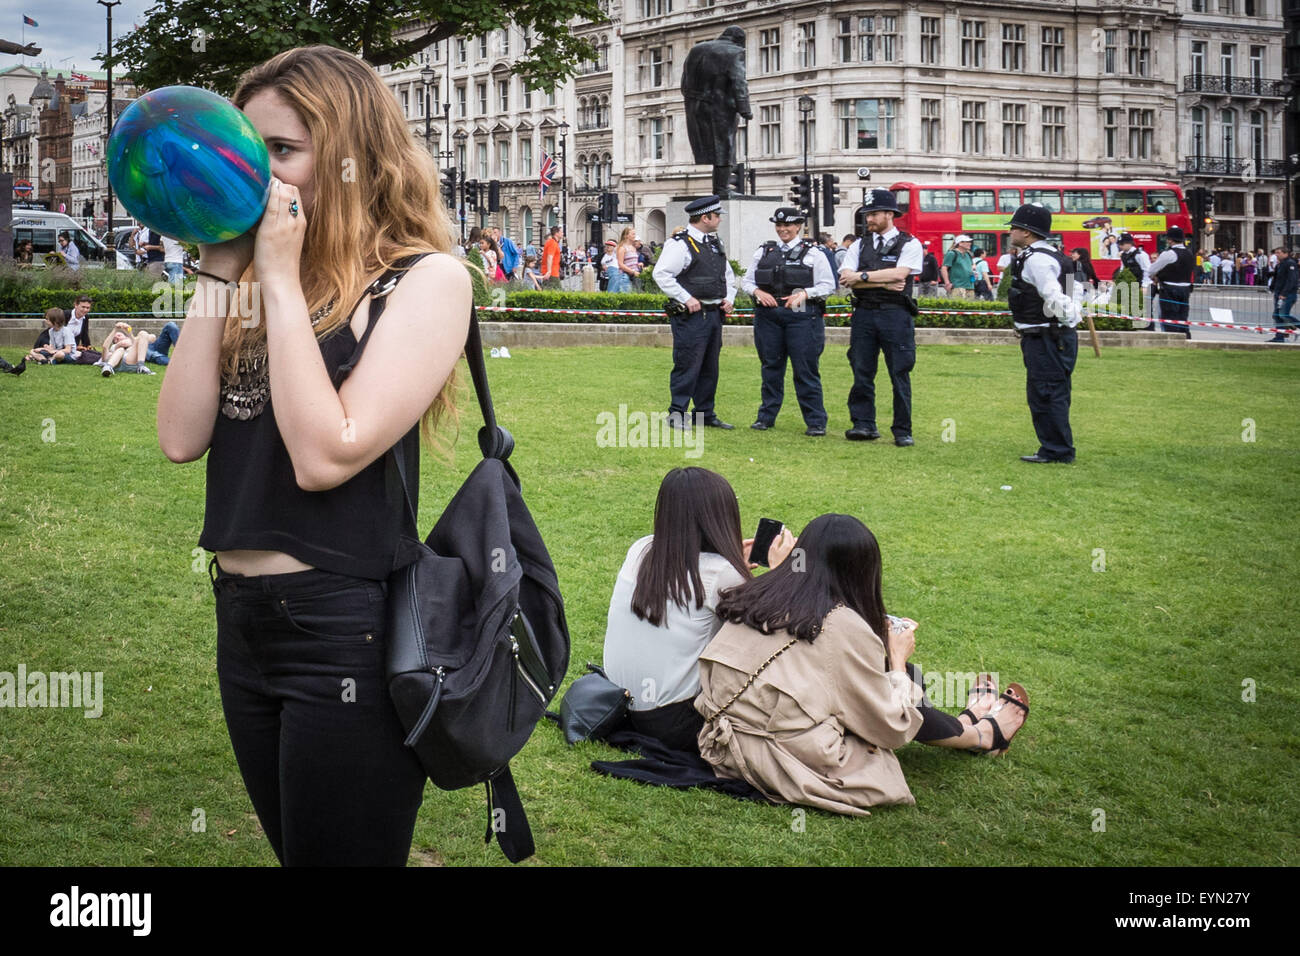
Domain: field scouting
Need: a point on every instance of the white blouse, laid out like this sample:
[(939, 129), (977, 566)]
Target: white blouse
[(660, 665)]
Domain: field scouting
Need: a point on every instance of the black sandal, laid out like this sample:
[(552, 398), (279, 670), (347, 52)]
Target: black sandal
[(984, 684), (1002, 744)]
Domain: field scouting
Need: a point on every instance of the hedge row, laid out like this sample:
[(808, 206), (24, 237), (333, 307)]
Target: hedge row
[(36, 300)]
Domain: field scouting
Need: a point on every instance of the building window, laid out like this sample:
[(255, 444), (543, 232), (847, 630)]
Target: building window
[(503, 159), (877, 39), (1013, 128), (461, 54), (653, 138), (1139, 52), (480, 94), (769, 129), (1228, 133), (1258, 139), (504, 41), (769, 50), (1141, 130), (1257, 67), (1053, 49), (482, 46), (1263, 205), (1054, 132), (867, 124), (482, 161), (656, 8), (525, 156), (972, 43), (1198, 134), (1110, 127), (461, 108), (406, 104), (806, 45), (930, 39), (931, 130), (528, 98), (1227, 59), (1198, 57), (1110, 59), (655, 67), (548, 145), (972, 127), (1013, 47), (503, 95)]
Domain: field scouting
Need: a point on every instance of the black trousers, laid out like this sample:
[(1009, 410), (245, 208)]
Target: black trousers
[(800, 337), (887, 329), (677, 725), (300, 662), (1174, 305), (697, 340), (1049, 361)]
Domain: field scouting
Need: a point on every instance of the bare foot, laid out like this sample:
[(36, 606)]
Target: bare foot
[(1009, 716), (982, 700)]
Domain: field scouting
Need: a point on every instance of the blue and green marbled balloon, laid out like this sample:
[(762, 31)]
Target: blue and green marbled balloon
[(189, 165)]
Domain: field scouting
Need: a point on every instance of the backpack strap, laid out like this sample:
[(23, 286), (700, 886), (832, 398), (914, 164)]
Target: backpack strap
[(513, 834), (378, 292)]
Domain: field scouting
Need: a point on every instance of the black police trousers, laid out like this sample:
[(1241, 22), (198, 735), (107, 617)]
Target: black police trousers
[(300, 663), (799, 336), (697, 340), (887, 329), (1174, 305), (1049, 361)]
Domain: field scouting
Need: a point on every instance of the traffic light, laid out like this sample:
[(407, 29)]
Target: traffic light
[(801, 194), (449, 187), (608, 207), (737, 180), (494, 195), (471, 193), (830, 198), (1209, 202)]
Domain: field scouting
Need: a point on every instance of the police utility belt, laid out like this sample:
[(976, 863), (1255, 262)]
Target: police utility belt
[(673, 307), (780, 274)]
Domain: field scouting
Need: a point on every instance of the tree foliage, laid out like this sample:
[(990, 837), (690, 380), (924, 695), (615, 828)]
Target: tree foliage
[(198, 43)]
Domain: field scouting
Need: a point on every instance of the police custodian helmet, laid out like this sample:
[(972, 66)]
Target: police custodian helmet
[(882, 200), (788, 214), (1033, 218)]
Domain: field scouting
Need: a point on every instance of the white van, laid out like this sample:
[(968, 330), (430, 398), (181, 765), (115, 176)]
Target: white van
[(43, 228)]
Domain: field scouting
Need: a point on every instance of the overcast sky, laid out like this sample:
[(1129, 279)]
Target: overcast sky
[(70, 32)]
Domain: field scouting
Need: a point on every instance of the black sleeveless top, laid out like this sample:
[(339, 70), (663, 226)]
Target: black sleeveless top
[(254, 502)]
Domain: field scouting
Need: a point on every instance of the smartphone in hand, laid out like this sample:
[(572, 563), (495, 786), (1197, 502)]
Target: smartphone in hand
[(768, 529)]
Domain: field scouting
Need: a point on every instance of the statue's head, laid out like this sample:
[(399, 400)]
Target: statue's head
[(735, 34)]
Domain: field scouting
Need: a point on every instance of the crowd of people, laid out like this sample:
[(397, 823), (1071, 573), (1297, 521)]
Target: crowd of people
[(66, 340), (1234, 267)]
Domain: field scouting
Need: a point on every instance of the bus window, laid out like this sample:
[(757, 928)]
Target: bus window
[(904, 199), (1083, 200), (1124, 200), (1008, 200), (975, 200), (1163, 202), (1049, 199), (938, 200), (987, 241)]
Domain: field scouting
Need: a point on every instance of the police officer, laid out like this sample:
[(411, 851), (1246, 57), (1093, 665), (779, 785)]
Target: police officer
[(1133, 257), (1172, 272), (879, 269), (789, 280), (694, 273), (1044, 315)]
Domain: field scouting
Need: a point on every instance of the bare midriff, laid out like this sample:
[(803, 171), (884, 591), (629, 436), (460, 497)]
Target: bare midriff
[(252, 563)]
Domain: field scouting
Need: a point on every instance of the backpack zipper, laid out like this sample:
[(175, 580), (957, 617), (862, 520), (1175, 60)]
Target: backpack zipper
[(519, 666)]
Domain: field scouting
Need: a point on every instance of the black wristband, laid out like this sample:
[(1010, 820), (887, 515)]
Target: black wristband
[(211, 275)]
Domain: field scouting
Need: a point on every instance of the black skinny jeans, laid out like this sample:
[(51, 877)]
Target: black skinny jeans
[(300, 661)]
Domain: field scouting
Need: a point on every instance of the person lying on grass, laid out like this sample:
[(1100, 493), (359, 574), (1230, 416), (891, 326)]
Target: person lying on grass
[(805, 700), (127, 349), (661, 613)]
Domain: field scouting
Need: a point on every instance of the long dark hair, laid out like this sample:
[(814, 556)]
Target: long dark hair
[(1085, 260), (836, 562), (696, 512)]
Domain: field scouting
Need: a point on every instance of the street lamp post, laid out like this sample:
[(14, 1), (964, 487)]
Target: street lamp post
[(108, 6), (806, 106), (460, 137), (427, 77), (564, 185)]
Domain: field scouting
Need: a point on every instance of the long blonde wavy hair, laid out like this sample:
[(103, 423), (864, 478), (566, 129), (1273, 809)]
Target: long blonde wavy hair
[(389, 206)]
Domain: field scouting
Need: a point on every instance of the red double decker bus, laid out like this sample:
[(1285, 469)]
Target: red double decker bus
[(1091, 215)]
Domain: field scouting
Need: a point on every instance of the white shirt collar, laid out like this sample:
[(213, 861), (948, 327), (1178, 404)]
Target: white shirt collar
[(695, 233), (886, 236)]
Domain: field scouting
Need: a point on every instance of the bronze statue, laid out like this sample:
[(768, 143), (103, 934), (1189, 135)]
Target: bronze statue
[(714, 87)]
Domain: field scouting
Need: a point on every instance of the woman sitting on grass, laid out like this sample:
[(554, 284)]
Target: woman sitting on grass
[(803, 699), (661, 615), (124, 349)]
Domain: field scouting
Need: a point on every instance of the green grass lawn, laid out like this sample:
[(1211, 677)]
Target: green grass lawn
[(1137, 672)]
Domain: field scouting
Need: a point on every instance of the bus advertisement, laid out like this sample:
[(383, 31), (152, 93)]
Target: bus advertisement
[(1086, 215)]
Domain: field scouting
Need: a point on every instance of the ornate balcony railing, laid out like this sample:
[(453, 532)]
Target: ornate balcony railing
[(1232, 85), (1260, 169)]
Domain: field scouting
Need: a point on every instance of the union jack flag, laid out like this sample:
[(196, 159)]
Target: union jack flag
[(80, 77), (548, 173), (29, 22)]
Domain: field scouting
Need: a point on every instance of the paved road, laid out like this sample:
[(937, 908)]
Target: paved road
[(1248, 306)]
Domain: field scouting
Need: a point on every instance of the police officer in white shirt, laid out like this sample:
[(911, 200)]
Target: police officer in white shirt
[(694, 273), (1044, 315), (789, 279), (1172, 272), (879, 273)]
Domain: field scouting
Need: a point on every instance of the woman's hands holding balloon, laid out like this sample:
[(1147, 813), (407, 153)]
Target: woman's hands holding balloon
[(277, 253)]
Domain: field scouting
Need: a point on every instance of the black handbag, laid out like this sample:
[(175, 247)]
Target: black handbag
[(593, 707), (477, 640)]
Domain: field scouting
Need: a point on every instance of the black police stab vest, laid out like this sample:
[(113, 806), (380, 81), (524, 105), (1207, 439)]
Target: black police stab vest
[(1129, 260), (1027, 306), (1180, 270), (869, 261), (780, 273), (705, 276)]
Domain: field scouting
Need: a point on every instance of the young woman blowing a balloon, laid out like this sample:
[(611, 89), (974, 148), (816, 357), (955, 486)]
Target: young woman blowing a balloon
[(296, 510)]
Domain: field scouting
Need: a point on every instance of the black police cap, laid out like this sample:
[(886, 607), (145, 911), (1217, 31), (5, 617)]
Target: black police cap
[(705, 204)]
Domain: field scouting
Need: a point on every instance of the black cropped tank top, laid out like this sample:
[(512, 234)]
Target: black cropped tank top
[(253, 502)]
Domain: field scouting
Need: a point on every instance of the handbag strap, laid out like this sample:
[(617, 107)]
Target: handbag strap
[(752, 677)]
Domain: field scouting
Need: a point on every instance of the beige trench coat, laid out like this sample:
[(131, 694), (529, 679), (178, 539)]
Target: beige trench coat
[(819, 726)]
